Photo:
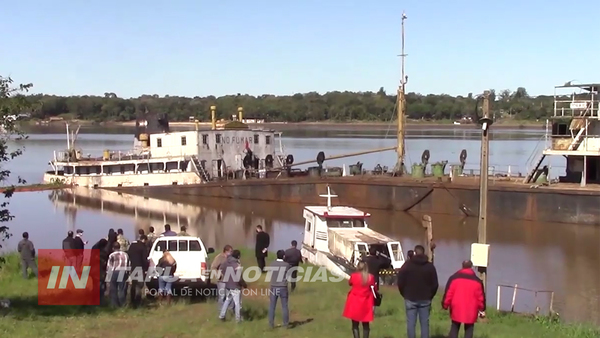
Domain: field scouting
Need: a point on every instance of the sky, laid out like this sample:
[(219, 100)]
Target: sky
[(200, 48)]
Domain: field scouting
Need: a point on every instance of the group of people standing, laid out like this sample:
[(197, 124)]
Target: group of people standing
[(418, 284), (227, 268), (118, 258)]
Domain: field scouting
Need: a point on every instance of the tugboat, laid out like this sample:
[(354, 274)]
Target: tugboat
[(338, 237)]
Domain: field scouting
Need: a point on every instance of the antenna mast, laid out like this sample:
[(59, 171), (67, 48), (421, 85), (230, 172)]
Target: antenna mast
[(401, 105)]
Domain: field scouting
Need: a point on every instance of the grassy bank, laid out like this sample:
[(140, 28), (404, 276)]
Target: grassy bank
[(315, 308), (34, 187)]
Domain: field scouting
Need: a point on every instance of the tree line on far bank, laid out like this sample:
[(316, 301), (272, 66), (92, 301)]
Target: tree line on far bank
[(332, 106)]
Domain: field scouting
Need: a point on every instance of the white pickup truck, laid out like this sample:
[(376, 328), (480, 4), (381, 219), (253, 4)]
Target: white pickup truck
[(191, 256)]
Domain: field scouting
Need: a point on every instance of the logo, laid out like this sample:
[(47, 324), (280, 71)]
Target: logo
[(69, 277)]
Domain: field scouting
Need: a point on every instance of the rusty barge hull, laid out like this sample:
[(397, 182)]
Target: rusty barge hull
[(510, 200)]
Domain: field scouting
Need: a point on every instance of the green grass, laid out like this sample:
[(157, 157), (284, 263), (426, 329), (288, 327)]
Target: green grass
[(316, 306)]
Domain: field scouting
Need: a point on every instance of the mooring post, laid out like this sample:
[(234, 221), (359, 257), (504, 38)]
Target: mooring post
[(498, 298), (514, 298), (485, 123), (429, 246)]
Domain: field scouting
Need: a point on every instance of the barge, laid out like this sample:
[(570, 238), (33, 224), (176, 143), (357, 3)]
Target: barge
[(573, 132)]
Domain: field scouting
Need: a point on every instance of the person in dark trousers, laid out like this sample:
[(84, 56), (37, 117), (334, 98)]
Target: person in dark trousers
[(168, 231), (293, 257), (27, 252), (465, 298), (360, 301), (106, 248), (410, 254), (376, 262), (68, 245), (100, 246), (138, 258), (78, 244), (263, 240), (418, 284), (118, 269), (279, 289)]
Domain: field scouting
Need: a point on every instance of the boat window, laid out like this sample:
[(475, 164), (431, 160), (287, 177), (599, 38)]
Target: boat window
[(308, 225), (204, 138), (256, 139), (159, 142), (345, 223), (218, 138), (183, 140), (268, 139)]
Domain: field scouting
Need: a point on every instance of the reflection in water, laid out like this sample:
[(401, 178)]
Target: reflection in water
[(216, 227), (559, 257)]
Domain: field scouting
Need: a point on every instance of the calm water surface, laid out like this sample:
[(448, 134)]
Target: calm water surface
[(544, 256)]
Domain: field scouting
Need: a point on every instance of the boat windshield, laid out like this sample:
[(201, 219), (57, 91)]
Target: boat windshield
[(345, 223)]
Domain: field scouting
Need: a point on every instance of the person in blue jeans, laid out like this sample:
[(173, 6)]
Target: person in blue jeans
[(279, 288), (234, 283), (418, 284), (166, 267)]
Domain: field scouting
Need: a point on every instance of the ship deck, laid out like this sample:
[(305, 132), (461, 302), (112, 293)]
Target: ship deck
[(463, 182)]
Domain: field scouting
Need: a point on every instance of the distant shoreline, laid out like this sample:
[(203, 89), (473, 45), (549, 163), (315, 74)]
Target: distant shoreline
[(327, 125)]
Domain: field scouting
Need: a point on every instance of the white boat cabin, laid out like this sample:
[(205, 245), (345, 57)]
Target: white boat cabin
[(344, 233)]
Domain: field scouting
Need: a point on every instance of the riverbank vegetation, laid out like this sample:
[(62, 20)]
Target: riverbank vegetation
[(32, 187), (331, 106), (315, 311), (12, 102)]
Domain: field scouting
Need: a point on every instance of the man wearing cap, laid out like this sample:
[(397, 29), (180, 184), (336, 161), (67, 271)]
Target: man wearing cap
[(79, 245), (68, 245)]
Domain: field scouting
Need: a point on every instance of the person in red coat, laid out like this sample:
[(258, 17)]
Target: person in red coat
[(360, 300), (465, 298)]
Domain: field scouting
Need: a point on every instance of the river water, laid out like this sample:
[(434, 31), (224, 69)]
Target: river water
[(564, 258)]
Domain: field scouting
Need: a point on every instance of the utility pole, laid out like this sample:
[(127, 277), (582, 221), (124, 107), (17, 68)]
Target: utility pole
[(485, 123), (401, 106)]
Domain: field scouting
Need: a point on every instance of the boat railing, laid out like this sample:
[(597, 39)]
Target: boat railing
[(123, 155), (570, 104), (577, 109)]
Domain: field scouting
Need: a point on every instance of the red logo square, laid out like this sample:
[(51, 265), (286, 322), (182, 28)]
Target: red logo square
[(69, 277)]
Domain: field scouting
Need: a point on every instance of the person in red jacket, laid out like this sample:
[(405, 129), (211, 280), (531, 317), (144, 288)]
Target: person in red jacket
[(361, 299), (465, 298)]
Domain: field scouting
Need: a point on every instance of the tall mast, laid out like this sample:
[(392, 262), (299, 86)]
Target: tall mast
[(401, 106)]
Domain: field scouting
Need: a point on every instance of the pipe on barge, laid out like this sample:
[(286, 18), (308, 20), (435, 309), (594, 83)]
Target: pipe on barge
[(509, 200)]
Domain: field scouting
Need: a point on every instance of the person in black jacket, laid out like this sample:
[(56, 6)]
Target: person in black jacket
[(376, 262), (418, 284), (100, 245), (293, 257), (138, 258), (68, 245), (263, 240), (78, 245)]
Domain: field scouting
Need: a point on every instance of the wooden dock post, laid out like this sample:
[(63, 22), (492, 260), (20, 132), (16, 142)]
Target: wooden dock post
[(429, 245), (485, 122)]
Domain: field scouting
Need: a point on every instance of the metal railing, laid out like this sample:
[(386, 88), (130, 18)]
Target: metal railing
[(536, 293)]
